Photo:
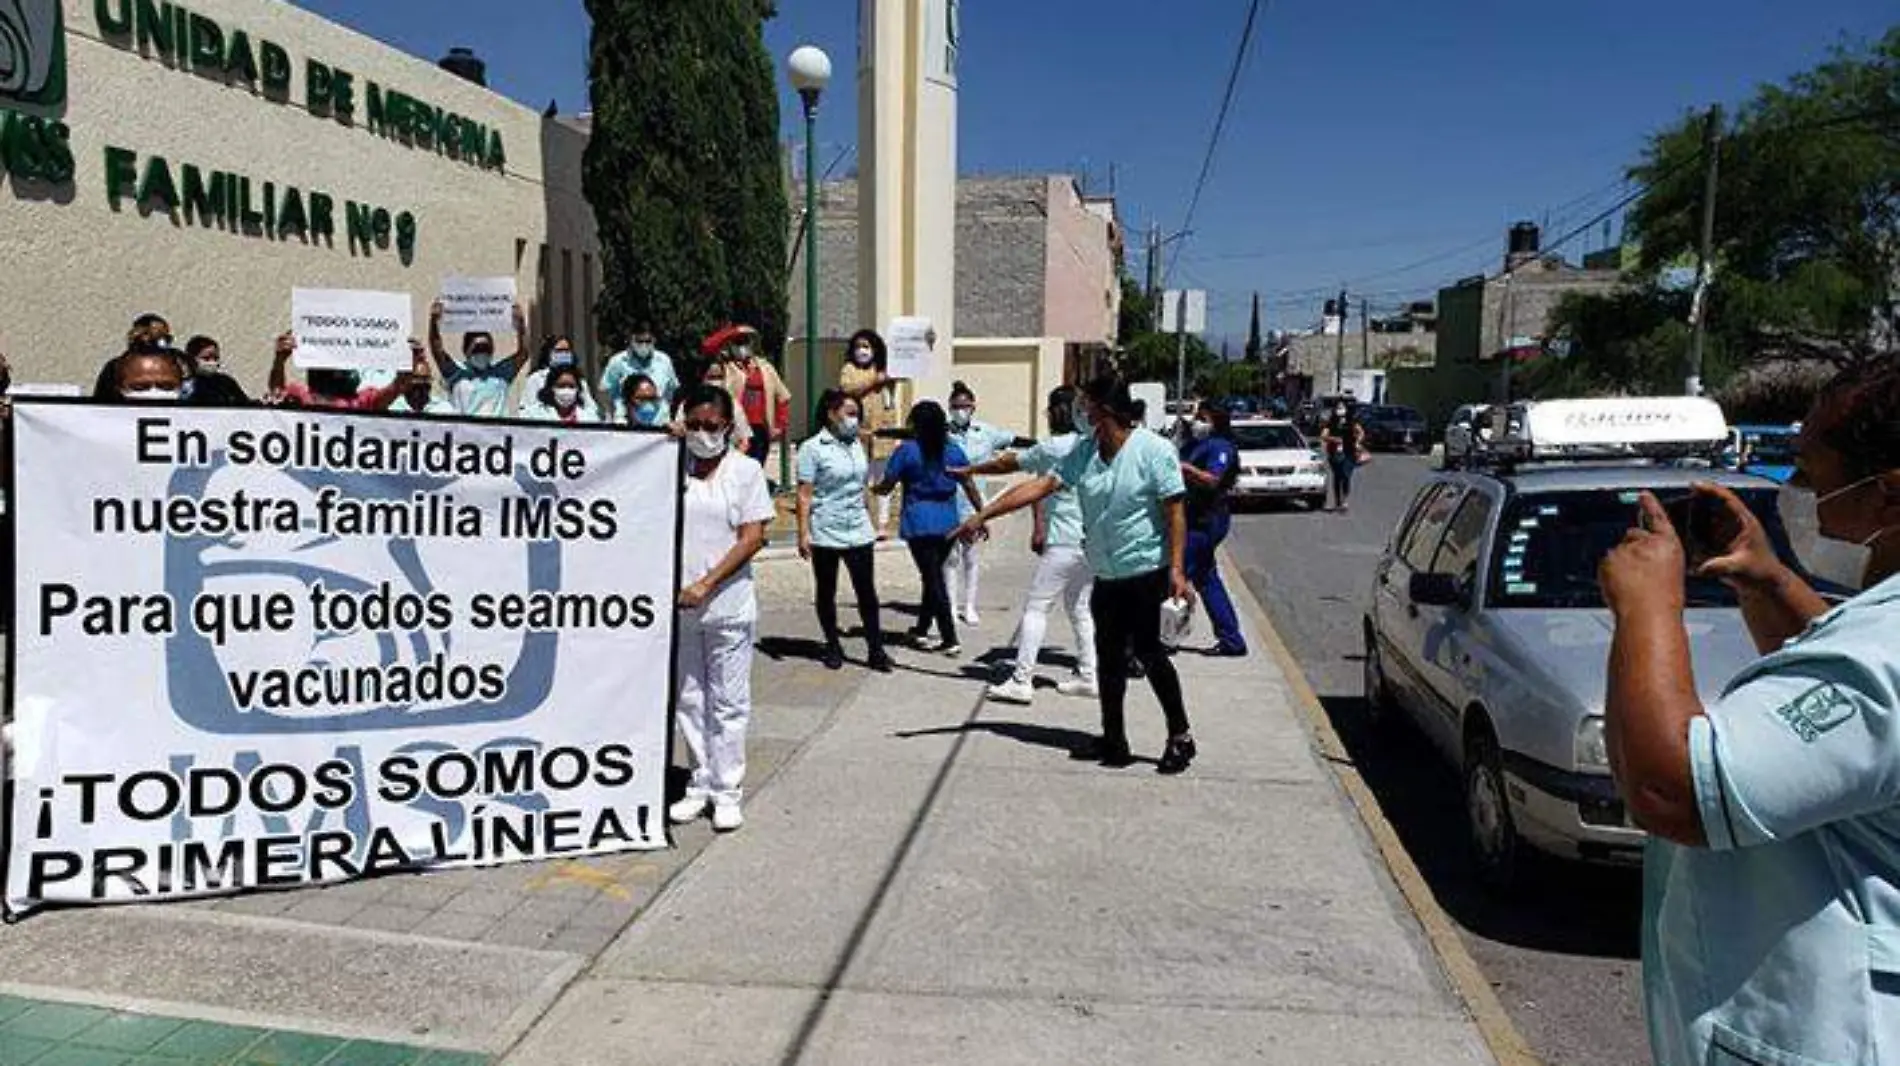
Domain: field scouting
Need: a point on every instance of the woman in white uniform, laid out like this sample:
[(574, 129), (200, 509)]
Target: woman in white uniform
[(979, 443), (727, 509)]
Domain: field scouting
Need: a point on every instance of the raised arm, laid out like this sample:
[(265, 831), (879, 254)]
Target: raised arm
[(443, 364), (280, 360), (1776, 603), (1006, 463), (519, 361), (1023, 494)]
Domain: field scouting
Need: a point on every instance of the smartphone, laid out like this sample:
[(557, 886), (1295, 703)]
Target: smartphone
[(1696, 517)]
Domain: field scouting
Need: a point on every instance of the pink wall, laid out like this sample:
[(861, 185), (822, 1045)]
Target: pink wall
[(1081, 291)]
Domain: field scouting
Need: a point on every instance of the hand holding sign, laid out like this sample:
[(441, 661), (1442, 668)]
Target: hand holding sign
[(337, 329), (478, 305)]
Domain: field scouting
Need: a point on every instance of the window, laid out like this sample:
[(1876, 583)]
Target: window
[(1268, 438), (1419, 542), (1459, 554)]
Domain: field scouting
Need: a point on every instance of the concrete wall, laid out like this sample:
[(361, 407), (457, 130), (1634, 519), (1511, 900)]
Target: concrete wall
[(1003, 237), (80, 268), (1521, 306), (1317, 355), (1082, 294)]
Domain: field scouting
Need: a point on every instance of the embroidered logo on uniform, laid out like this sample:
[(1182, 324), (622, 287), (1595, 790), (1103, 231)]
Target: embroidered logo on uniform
[(1820, 710)]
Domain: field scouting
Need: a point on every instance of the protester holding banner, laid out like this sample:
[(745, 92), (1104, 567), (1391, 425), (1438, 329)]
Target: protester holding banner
[(834, 524), (755, 386), (1134, 526), (336, 389), (639, 404), (556, 352), (727, 510), (979, 442), (641, 358), (479, 385), (209, 385), (147, 331), (866, 378), (144, 373), (923, 465), (561, 399)]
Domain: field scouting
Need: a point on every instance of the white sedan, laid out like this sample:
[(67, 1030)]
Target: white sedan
[(1276, 462)]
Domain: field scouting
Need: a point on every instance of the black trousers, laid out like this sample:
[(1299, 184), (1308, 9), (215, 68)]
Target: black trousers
[(1128, 618), (930, 553), (860, 563)]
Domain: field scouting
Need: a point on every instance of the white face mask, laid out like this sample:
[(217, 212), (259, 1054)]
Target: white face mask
[(864, 357), (566, 396), (706, 444), (846, 429), (1831, 559), (642, 349), (961, 417), (152, 396), (1202, 430), (741, 353)]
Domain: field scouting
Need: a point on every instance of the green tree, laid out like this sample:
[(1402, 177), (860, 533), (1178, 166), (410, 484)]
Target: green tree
[(683, 169), (1807, 237), (1137, 314), (1255, 350), (1631, 341), (1155, 357)]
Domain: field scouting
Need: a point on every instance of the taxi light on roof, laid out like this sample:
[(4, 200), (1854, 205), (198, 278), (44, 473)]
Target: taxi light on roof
[(1633, 421)]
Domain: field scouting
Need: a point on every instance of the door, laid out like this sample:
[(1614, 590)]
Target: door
[(1397, 618), (1446, 663)]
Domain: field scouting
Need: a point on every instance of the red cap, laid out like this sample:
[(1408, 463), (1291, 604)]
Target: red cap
[(723, 337)]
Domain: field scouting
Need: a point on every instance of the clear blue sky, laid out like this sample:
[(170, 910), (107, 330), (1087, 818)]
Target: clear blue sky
[(1367, 136)]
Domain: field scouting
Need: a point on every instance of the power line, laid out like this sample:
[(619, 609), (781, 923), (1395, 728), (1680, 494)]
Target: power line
[(1220, 126)]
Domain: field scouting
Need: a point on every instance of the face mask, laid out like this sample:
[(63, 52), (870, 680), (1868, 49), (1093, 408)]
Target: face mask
[(211, 367), (1831, 559), (846, 429), (1079, 415), (741, 353), (561, 357), (864, 357), (961, 417), (481, 360), (152, 396), (706, 444), (566, 396), (1202, 430), (1339, 412), (642, 349), (647, 412)]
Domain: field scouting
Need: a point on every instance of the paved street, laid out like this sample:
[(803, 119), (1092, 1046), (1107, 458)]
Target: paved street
[(1562, 956)]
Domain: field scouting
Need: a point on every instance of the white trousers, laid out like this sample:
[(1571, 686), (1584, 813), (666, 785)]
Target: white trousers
[(1063, 576), (881, 503), (961, 572), (715, 703)]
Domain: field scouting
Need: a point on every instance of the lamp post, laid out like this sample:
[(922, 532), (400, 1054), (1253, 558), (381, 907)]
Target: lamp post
[(810, 71)]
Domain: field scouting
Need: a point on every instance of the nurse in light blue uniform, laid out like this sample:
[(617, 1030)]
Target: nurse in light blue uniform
[(1772, 884), (979, 442)]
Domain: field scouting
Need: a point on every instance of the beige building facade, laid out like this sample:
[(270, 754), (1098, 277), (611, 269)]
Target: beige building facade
[(203, 163)]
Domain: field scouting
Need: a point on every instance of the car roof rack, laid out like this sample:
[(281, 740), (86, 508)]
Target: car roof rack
[(1623, 430)]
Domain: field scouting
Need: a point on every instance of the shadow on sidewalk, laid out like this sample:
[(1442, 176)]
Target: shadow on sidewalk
[(1067, 741)]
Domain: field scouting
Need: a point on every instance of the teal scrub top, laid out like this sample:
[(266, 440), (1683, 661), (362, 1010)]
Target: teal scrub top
[(1062, 512), (1124, 526), (979, 444), (837, 471), (658, 366), (1780, 941)]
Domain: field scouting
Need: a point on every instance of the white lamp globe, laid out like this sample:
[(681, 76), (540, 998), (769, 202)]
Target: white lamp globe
[(810, 69)]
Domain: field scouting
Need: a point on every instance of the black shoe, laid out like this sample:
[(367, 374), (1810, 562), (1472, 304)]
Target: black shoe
[(1222, 651), (1099, 750), (880, 662), (1179, 755), (834, 658)]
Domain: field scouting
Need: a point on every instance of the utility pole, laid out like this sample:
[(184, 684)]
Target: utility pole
[(1154, 274), (1365, 335), (1705, 270), (1339, 355), (1180, 350)]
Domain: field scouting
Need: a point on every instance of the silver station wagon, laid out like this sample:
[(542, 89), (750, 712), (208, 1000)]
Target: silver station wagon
[(1488, 630)]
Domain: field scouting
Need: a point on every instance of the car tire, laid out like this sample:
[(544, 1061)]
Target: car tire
[(1315, 502), (1496, 849), (1379, 704)]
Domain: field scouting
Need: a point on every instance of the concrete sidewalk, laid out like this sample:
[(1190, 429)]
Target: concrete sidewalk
[(932, 880)]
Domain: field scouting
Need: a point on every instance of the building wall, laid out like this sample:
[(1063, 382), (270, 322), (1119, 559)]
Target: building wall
[(1477, 322), (1082, 294), (1317, 355), (82, 267), (1003, 278)]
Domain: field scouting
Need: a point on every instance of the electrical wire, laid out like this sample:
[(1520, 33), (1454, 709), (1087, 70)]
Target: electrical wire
[(1220, 126)]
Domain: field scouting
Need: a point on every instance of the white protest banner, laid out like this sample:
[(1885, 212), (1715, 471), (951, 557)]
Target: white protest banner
[(478, 305), (262, 648), (343, 329), (912, 343)]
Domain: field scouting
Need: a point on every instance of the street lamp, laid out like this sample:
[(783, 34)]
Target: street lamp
[(809, 69)]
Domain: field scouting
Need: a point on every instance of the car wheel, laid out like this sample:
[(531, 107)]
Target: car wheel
[(1495, 845), (1316, 502), (1379, 705)]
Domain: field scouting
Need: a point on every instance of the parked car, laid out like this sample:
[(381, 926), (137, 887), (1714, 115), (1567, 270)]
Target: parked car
[(1487, 629), (1276, 462), (1393, 428)]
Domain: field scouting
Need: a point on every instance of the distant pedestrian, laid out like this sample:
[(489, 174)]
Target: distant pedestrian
[(640, 359), (479, 384), (1345, 442), (1063, 574), (923, 466), (1210, 470), (726, 512), (755, 386), (979, 442), (1134, 529), (834, 524), (866, 378)]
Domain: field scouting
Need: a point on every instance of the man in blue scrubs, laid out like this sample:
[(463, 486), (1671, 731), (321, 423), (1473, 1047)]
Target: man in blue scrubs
[(1772, 884), (1211, 467)]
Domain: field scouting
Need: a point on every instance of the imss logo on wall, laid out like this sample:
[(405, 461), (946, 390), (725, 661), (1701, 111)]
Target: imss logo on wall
[(32, 52)]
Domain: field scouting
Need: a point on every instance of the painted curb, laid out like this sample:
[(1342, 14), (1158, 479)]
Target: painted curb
[(1501, 1035)]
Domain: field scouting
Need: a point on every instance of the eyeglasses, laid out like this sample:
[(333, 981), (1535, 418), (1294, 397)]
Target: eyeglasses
[(695, 425)]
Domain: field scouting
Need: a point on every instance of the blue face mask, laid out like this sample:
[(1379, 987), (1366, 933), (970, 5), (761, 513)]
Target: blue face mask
[(647, 413)]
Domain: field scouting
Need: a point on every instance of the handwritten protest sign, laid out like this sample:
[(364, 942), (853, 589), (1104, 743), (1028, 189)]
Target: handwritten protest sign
[(485, 305), (261, 648), (343, 329), (912, 342)]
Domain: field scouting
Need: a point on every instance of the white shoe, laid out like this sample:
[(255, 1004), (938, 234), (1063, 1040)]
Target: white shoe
[(687, 810), (1079, 686), (1013, 691), (947, 649), (727, 817), (971, 619)]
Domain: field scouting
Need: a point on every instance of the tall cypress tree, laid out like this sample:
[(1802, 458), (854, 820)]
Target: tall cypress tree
[(683, 170), (1254, 349)]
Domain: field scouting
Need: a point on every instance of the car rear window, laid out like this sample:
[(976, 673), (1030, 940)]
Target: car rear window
[(1268, 438), (1549, 545)]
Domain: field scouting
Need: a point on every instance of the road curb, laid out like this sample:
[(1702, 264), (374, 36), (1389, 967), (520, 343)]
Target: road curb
[(1501, 1035)]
